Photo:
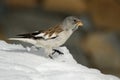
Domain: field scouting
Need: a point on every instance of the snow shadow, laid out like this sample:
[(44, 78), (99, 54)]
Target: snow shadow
[(32, 50)]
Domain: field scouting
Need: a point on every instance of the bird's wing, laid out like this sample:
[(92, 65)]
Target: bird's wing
[(30, 35), (51, 33)]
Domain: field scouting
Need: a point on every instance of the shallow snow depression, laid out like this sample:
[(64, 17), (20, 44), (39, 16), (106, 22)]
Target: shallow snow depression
[(19, 63)]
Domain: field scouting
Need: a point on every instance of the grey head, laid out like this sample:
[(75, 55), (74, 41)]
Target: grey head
[(71, 23)]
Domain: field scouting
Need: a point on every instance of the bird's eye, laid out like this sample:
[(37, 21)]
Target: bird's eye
[(75, 20)]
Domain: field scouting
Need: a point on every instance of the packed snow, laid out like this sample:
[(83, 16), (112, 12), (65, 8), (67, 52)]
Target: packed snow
[(29, 63)]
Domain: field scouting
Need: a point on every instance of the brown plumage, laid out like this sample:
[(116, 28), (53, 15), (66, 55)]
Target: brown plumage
[(57, 29), (49, 32)]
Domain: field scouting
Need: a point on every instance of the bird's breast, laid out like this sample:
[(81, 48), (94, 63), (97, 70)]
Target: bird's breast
[(63, 37)]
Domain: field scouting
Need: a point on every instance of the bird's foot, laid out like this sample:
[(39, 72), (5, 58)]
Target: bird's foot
[(59, 52), (50, 57)]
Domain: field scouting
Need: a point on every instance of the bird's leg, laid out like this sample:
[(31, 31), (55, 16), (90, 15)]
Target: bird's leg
[(53, 53), (59, 52), (50, 56)]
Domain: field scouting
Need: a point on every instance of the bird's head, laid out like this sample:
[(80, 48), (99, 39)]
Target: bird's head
[(71, 23)]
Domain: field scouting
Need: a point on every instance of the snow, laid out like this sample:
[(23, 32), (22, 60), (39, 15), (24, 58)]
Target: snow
[(29, 63)]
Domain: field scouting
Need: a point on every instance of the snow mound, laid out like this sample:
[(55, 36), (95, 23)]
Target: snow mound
[(20, 63)]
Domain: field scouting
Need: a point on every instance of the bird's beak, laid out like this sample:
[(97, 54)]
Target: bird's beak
[(79, 23)]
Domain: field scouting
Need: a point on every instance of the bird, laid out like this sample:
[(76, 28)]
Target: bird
[(53, 37)]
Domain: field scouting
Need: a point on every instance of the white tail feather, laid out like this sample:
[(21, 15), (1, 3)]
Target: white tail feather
[(24, 40)]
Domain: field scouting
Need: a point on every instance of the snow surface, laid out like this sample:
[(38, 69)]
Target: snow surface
[(20, 63)]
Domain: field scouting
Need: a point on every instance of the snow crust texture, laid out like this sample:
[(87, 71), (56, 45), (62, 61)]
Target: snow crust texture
[(28, 63)]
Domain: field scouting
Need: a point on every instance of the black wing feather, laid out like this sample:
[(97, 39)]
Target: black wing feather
[(33, 35), (30, 35)]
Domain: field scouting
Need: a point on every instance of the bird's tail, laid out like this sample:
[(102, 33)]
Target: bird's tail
[(24, 40)]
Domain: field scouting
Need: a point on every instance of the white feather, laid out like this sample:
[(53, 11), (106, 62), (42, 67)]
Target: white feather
[(40, 35), (46, 36), (53, 35)]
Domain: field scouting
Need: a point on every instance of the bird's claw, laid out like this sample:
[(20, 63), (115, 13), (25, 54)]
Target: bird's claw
[(50, 57), (59, 52)]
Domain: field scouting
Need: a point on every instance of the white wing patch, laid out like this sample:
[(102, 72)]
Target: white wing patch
[(46, 36), (53, 35), (40, 35), (50, 37)]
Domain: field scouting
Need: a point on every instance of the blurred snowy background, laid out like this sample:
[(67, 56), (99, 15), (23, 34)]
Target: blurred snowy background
[(96, 46)]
